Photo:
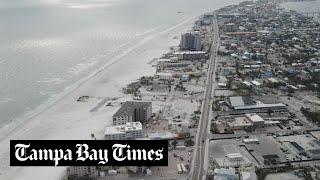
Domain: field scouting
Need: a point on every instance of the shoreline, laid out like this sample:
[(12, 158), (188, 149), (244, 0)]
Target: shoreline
[(84, 85), (48, 113), (19, 121)]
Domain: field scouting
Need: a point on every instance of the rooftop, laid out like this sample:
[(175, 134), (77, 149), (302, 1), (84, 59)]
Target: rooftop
[(189, 52), (240, 121), (127, 108), (236, 101), (130, 126), (260, 105), (254, 118)]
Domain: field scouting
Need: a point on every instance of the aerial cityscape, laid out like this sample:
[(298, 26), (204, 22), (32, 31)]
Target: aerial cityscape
[(235, 92)]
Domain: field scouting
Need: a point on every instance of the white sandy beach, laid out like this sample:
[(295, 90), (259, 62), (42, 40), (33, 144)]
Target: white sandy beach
[(65, 118)]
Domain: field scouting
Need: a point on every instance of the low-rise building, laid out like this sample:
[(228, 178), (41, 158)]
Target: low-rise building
[(271, 159), (250, 121), (236, 101), (164, 76), (255, 119), (249, 175), (222, 174), (185, 77), (190, 55), (263, 106), (235, 157), (179, 125), (251, 141), (239, 123), (82, 172)]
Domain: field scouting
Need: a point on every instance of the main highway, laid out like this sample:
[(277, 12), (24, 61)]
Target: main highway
[(197, 171)]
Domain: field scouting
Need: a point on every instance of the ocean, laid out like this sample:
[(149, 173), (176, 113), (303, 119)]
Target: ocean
[(303, 6), (48, 45)]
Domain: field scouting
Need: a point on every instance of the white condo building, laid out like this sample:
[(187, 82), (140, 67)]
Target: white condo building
[(128, 131)]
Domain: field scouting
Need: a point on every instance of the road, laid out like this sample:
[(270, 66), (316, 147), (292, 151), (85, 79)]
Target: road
[(197, 170)]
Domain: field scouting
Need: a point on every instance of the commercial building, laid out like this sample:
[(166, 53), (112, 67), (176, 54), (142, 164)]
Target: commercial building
[(179, 125), (298, 148), (271, 159), (314, 153), (190, 41), (185, 77), (262, 106), (303, 145), (190, 55), (131, 130), (250, 121), (251, 141), (256, 120), (221, 174), (243, 103), (82, 172), (132, 111), (235, 157), (164, 76), (230, 27), (249, 175), (240, 123), (236, 101)]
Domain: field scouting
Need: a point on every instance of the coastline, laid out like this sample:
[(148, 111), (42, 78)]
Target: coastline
[(65, 118), (302, 7), (16, 123)]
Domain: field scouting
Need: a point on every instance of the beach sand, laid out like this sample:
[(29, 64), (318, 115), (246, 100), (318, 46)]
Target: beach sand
[(65, 118)]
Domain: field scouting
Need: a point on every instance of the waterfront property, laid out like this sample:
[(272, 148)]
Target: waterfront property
[(132, 111), (129, 131), (190, 41)]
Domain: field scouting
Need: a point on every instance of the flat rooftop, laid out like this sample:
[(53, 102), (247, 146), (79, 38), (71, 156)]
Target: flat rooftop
[(128, 107), (254, 118), (260, 106), (129, 126), (189, 52), (236, 101)]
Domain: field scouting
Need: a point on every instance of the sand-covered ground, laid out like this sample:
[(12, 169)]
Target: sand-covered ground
[(65, 118)]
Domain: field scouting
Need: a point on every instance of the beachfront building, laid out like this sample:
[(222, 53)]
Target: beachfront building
[(190, 41), (129, 131), (190, 55), (132, 111), (82, 172), (164, 76)]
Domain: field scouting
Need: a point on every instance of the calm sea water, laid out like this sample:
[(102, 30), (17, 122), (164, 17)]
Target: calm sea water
[(46, 45), (305, 6)]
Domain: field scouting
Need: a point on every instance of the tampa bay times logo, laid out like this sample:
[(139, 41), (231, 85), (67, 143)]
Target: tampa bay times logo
[(88, 153)]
